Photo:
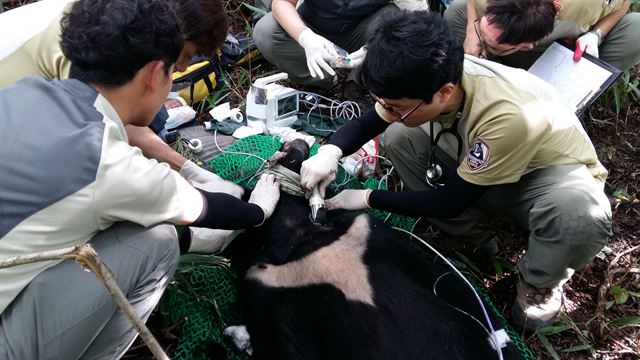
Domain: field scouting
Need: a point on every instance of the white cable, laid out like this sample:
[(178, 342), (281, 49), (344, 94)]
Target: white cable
[(348, 177), (415, 224), (387, 217), (347, 110), (435, 292), (497, 340), (484, 310)]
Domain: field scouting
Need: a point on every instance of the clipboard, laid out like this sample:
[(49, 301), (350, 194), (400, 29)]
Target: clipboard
[(579, 83)]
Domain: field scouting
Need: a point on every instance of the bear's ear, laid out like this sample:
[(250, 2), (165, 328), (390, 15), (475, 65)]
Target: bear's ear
[(295, 152)]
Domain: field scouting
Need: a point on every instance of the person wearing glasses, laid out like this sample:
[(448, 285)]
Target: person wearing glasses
[(516, 32), (473, 139), (69, 176)]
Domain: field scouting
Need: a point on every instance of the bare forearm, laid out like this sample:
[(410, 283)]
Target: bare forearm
[(472, 15), (285, 13), (154, 147), (608, 22)]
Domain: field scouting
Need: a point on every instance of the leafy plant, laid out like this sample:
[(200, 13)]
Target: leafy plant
[(620, 94), (565, 323), (626, 321), (620, 295)]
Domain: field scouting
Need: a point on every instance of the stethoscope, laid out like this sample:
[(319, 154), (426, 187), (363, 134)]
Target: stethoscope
[(434, 170)]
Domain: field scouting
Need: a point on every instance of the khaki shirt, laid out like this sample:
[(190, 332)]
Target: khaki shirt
[(512, 123), (78, 193), (30, 42)]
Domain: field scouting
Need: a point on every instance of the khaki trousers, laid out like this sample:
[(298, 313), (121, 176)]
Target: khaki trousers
[(66, 312), (285, 53)]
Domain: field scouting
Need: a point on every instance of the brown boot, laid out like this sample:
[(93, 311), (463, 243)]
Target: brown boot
[(535, 308)]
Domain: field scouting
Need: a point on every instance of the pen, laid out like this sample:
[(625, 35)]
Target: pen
[(577, 54)]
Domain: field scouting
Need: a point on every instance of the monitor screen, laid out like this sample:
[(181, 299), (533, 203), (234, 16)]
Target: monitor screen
[(287, 105)]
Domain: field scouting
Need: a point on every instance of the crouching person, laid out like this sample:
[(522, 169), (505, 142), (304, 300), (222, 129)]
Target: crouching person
[(473, 139), (68, 176)]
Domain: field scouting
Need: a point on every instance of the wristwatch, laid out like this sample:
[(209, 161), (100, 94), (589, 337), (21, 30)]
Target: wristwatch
[(599, 34)]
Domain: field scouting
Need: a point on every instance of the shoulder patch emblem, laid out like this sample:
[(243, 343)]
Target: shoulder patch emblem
[(478, 155)]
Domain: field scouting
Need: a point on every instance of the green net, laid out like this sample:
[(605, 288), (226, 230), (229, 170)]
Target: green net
[(203, 299), (245, 158)]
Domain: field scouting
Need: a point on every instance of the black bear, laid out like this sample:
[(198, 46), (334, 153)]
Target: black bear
[(353, 288)]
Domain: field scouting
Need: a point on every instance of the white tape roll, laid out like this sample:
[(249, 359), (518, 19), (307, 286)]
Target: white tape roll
[(236, 115), (195, 145)]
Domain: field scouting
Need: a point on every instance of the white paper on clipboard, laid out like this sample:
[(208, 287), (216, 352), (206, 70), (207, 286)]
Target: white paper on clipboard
[(577, 81)]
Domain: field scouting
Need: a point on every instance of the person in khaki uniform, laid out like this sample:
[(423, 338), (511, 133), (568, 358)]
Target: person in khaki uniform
[(516, 32), (69, 176), (503, 143), (30, 46)]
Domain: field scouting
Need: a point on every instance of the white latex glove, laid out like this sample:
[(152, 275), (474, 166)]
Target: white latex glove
[(355, 59), (588, 43), (266, 195), (320, 169), (349, 200), (318, 51), (208, 181), (211, 240)]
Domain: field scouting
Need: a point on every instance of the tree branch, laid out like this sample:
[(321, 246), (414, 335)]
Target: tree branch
[(41, 256), (86, 256)]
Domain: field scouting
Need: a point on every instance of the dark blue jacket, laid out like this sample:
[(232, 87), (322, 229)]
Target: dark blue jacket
[(336, 16)]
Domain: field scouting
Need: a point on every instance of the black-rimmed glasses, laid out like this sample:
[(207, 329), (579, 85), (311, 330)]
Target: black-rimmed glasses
[(392, 111)]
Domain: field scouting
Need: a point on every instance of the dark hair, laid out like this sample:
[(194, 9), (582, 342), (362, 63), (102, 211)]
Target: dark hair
[(412, 55), (108, 41), (521, 21), (205, 23)]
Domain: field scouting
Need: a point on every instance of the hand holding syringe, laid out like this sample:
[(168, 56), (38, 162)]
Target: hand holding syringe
[(322, 54), (345, 60)]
